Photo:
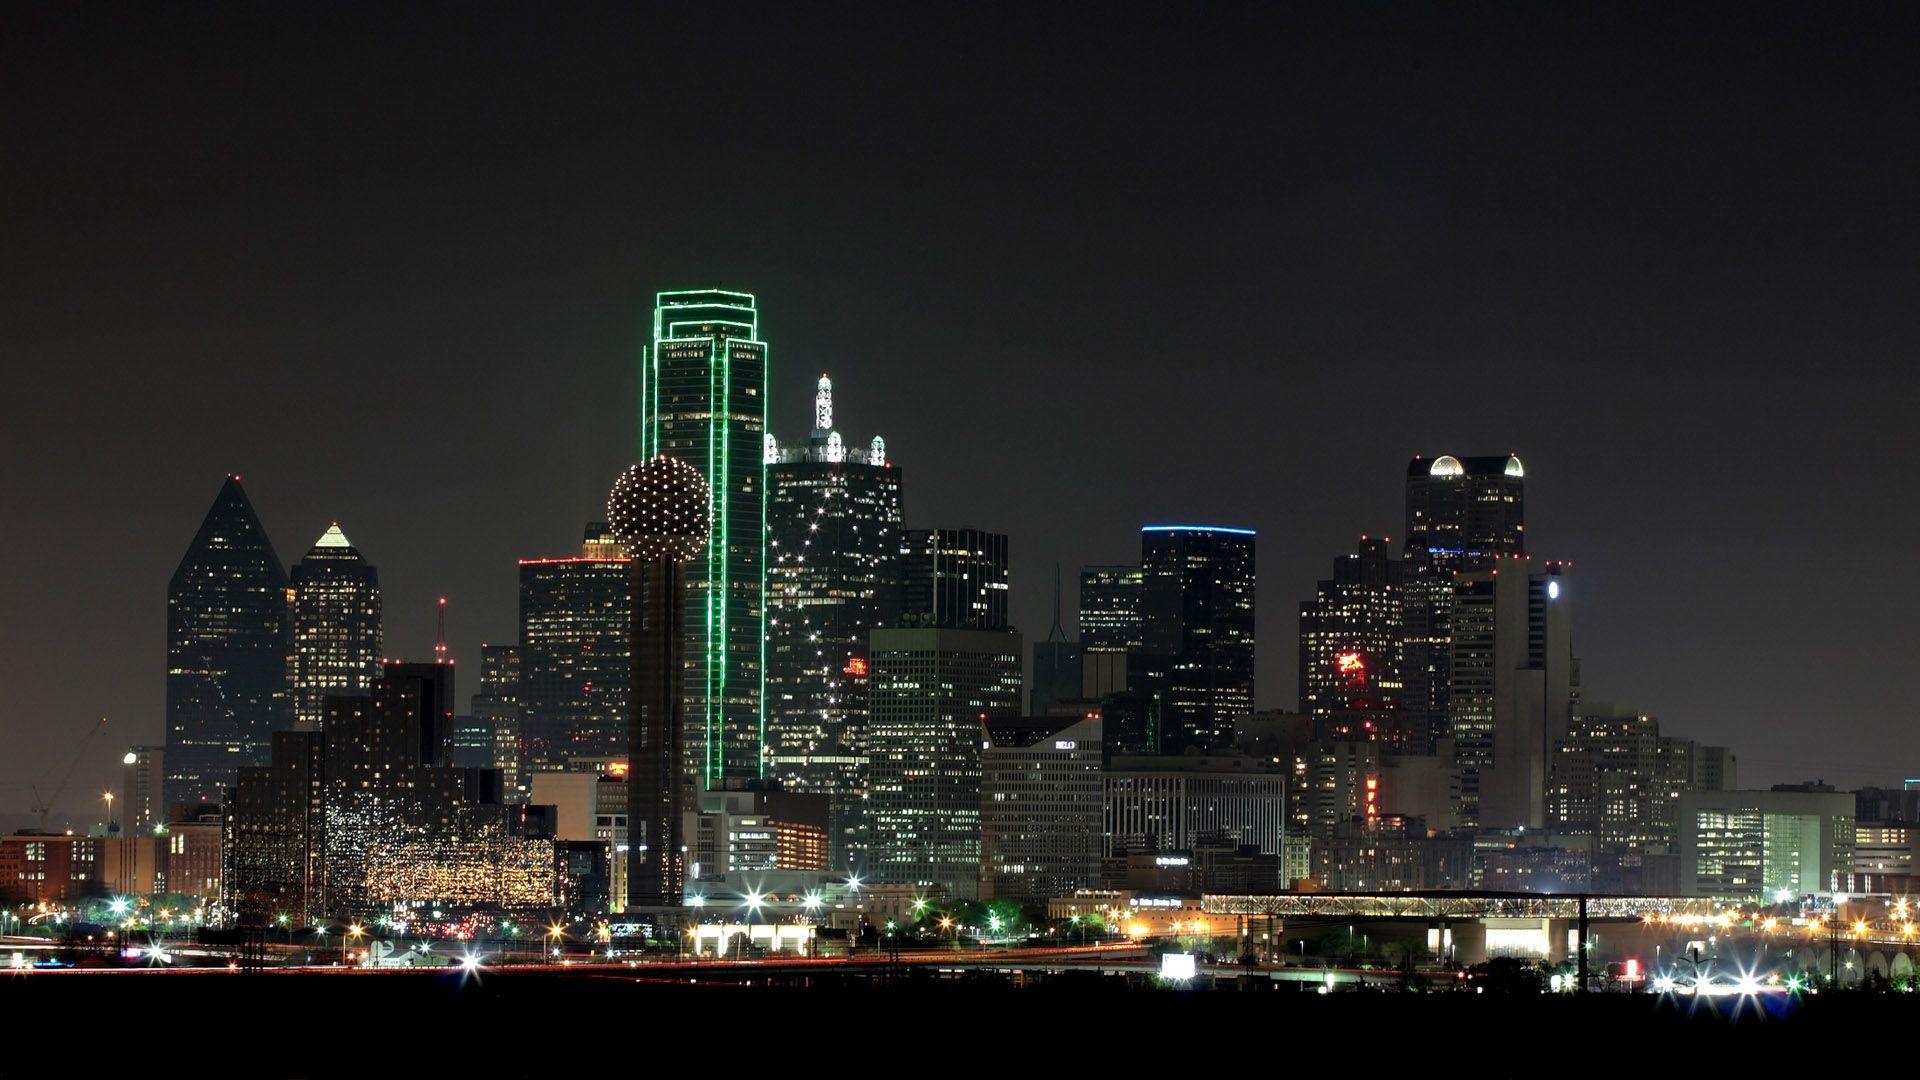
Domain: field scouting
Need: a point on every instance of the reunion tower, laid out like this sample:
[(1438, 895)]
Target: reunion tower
[(659, 510)]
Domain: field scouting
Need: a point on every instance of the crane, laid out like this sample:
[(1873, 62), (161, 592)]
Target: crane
[(44, 807)]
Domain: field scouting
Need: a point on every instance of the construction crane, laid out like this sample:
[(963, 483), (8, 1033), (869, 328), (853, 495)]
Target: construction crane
[(44, 807)]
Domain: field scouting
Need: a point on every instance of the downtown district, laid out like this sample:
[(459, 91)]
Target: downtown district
[(868, 766)]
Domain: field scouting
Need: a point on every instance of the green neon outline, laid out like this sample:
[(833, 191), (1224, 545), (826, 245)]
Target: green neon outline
[(720, 415)]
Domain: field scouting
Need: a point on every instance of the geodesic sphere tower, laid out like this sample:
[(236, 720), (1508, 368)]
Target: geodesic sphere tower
[(659, 509)]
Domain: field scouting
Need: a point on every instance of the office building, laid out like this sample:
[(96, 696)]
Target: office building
[(1166, 803), (1511, 689), (1110, 608), (833, 576), (274, 839), (143, 779), (932, 690), (1335, 781), (336, 626), (1197, 608), (1351, 652), (1615, 778), (496, 713), (1461, 512), (703, 401), (746, 832), (228, 640), (955, 579), (574, 654), (1042, 793), (1752, 846), (47, 868)]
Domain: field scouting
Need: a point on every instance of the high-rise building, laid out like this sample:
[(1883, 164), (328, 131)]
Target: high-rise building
[(228, 640), (1511, 689), (336, 626), (932, 690), (1110, 608), (574, 655), (1197, 608), (1461, 513), (955, 579), (1615, 778), (703, 400), (1041, 797), (143, 788), (1351, 651), (274, 843), (496, 711), (834, 576)]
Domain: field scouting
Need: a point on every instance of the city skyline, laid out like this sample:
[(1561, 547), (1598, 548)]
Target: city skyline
[(1602, 342)]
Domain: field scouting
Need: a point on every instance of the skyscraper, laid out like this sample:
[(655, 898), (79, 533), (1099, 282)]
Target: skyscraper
[(1197, 613), (933, 689), (574, 655), (336, 626), (496, 709), (228, 640), (1041, 807), (1351, 651), (1511, 688), (834, 575), (142, 786), (1461, 512), (956, 579), (1110, 608), (703, 400)]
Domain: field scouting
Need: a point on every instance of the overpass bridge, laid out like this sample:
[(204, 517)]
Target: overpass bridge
[(1455, 906)]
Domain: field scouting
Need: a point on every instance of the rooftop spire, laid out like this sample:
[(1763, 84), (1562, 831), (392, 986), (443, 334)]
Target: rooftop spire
[(823, 405)]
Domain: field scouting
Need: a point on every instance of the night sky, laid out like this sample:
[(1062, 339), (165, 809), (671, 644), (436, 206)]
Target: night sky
[(1083, 271)]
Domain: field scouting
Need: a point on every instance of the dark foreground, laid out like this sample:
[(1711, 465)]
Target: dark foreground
[(533, 1023)]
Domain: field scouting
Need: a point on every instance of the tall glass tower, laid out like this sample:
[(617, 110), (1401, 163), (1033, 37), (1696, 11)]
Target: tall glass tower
[(1197, 614), (336, 626), (1462, 513), (703, 400), (228, 642)]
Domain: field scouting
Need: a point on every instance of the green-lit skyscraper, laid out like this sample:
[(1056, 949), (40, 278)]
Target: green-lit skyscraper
[(703, 400)]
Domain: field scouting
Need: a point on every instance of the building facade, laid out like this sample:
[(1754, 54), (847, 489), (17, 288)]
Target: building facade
[(228, 641), (1168, 803), (932, 690), (1352, 651), (574, 655), (834, 576), (1042, 793), (1110, 608), (703, 400), (955, 579), (1197, 607), (1511, 687), (336, 626), (1461, 512), (1756, 845)]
